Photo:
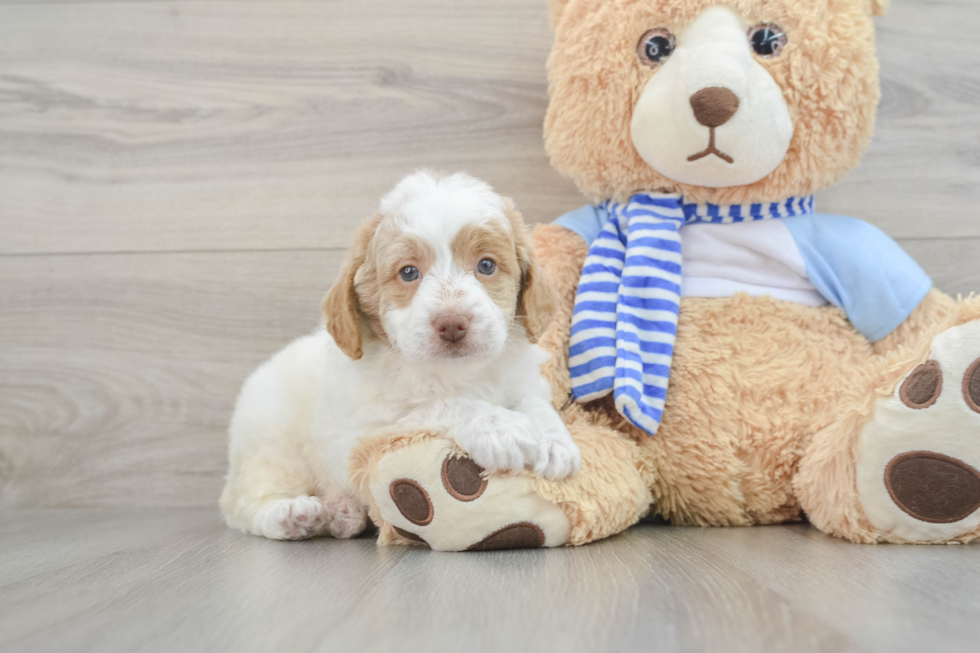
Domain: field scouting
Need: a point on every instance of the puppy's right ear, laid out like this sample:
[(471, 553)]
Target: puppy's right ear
[(340, 306)]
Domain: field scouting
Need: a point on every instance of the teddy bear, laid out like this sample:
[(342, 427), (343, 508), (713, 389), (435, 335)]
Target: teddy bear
[(722, 354)]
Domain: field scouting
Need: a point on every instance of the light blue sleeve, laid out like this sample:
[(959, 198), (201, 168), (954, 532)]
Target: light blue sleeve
[(587, 222), (856, 267)]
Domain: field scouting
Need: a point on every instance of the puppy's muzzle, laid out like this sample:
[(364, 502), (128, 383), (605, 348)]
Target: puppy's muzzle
[(451, 328)]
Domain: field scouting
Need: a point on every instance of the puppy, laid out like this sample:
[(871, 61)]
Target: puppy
[(430, 326)]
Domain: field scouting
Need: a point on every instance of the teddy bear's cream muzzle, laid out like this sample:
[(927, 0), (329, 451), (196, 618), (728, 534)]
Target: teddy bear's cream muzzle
[(712, 115)]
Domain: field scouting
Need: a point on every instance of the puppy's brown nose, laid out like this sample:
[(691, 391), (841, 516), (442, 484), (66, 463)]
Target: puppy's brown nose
[(451, 328), (714, 106)]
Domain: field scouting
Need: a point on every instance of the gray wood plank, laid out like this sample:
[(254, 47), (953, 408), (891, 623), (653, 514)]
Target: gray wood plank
[(953, 264), (148, 126), (201, 587), (44, 541), (208, 125), (118, 373), (874, 594), (921, 175)]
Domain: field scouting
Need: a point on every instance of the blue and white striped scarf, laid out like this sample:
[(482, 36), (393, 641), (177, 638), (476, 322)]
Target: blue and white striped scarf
[(625, 318)]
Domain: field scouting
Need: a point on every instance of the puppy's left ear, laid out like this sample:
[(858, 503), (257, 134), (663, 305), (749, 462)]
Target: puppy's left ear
[(536, 299), (879, 7)]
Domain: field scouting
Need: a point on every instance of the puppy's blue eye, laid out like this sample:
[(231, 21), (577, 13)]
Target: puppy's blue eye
[(409, 273), (486, 266)]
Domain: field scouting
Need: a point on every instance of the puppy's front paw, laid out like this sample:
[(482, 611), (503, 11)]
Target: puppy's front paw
[(502, 441), (348, 517), (291, 519), (558, 456)]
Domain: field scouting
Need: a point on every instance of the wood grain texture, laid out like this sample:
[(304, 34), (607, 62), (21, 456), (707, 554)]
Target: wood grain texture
[(148, 126), (178, 580), (164, 125), (118, 373)]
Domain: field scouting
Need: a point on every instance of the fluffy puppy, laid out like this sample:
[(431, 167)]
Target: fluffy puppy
[(431, 325)]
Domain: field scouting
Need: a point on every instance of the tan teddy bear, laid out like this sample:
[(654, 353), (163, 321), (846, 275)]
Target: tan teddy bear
[(812, 370)]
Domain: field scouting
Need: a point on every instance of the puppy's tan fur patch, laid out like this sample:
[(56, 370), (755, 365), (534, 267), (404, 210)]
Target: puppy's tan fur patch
[(536, 303), (381, 288), (341, 305), (370, 281), (475, 242)]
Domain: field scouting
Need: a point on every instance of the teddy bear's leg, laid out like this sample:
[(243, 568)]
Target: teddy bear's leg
[(422, 488), (902, 464)]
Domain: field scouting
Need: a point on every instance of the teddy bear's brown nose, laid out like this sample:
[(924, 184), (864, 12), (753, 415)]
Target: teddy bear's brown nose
[(714, 106)]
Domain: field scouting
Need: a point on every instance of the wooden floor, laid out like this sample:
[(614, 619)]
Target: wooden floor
[(178, 181), (178, 580)]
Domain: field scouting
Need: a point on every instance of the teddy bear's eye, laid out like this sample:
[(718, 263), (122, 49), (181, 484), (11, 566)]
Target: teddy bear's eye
[(655, 46), (768, 40)]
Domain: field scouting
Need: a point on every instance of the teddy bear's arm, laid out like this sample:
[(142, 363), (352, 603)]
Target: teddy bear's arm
[(925, 321)]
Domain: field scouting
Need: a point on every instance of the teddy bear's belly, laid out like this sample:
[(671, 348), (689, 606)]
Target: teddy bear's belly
[(752, 380)]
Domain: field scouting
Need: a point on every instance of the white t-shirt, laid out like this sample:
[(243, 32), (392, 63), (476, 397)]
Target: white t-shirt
[(759, 258)]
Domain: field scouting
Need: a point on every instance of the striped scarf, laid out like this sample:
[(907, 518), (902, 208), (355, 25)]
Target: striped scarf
[(625, 318)]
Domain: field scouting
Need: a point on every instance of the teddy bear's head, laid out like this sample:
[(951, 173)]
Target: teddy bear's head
[(745, 101)]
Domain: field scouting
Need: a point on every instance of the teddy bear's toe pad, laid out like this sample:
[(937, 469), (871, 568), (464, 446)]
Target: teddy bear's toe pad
[(463, 478), (431, 495), (516, 536), (917, 474), (932, 487), (412, 501)]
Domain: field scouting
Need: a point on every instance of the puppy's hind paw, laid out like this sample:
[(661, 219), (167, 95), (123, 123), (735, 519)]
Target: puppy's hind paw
[(291, 519), (348, 518)]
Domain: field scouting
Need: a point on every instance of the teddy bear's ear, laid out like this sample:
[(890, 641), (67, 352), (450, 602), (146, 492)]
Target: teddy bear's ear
[(557, 7), (880, 7)]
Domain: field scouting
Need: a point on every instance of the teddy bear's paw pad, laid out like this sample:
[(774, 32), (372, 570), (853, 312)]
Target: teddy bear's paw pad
[(409, 536), (932, 487), (430, 495), (516, 536), (412, 501), (918, 474), (291, 519), (463, 478)]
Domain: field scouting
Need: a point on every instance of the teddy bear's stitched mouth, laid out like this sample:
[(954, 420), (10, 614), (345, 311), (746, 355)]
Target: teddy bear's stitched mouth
[(711, 149)]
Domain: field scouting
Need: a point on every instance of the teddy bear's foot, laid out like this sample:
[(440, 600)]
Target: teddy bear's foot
[(918, 467), (429, 493)]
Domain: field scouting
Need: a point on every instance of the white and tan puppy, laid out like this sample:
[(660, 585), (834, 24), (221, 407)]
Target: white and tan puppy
[(430, 326)]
